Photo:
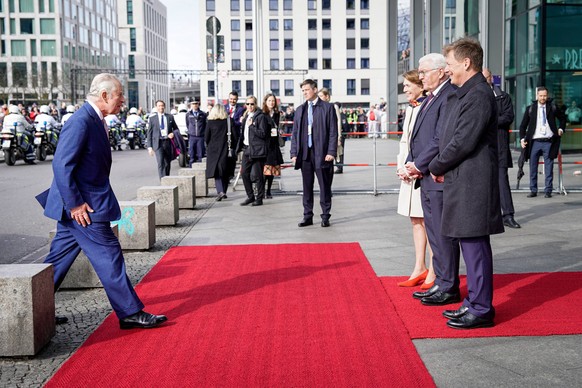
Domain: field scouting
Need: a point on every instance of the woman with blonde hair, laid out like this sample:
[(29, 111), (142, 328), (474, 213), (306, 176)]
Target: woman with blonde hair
[(274, 158), (409, 204), (220, 137)]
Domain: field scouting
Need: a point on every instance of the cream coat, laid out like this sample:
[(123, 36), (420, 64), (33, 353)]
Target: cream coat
[(408, 199)]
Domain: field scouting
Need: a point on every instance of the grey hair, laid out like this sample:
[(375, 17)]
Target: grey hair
[(437, 59), (103, 81)]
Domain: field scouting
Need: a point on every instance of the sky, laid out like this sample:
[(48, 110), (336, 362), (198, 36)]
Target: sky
[(184, 34)]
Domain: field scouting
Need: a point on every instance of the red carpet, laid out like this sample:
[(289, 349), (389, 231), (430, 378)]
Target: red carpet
[(530, 304), (292, 315)]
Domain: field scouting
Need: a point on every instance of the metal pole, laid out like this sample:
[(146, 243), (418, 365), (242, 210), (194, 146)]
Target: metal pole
[(258, 51), (215, 56), (375, 163)]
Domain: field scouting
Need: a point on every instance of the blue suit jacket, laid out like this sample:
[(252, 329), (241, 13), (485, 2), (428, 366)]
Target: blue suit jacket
[(81, 168)]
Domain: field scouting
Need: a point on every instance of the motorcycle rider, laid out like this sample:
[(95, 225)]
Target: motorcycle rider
[(44, 121), (133, 122), (66, 116), (180, 118), (14, 118), (114, 125)]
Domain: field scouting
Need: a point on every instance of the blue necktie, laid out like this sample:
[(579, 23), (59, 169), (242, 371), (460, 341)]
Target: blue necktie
[(162, 123), (310, 124), (544, 121)]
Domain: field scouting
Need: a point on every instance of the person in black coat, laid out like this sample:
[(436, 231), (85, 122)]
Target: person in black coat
[(162, 134), (274, 156), (196, 124), (254, 143), (220, 136)]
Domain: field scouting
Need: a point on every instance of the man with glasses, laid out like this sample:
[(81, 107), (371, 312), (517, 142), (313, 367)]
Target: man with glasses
[(423, 148), (256, 132)]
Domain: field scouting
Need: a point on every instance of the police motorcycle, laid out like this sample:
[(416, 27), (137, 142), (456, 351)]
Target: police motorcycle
[(46, 133), (135, 130), (114, 132), (16, 138)]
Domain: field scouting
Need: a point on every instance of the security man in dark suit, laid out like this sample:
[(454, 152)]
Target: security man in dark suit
[(161, 130), (313, 150), (234, 111)]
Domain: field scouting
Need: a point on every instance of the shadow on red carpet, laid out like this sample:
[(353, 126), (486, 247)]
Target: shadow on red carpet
[(529, 304)]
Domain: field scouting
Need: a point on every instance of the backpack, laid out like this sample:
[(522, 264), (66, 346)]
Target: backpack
[(372, 116)]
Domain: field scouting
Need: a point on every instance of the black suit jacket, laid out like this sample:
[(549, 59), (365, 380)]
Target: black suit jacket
[(529, 123), (154, 133), (504, 120)]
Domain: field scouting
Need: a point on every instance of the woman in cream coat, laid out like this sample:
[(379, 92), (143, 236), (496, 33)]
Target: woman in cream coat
[(409, 198)]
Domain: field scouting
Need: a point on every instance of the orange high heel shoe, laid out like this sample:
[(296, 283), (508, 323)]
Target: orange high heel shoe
[(414, 281), (426, 286)]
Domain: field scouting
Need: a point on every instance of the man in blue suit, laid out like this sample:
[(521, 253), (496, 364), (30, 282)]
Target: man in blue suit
[(423, 148), (313, 150), (81, 200), (235, 111)]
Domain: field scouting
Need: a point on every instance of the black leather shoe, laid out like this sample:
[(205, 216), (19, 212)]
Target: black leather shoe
[(469, 321), (61, 319), (325, 223), (423, 294), (440, 298), (548, 195), (339, 171), (305, 222), (141, 320), (511, 223), (247, 201), (220, 197), (454, 314), (531, 195), (258, 202)]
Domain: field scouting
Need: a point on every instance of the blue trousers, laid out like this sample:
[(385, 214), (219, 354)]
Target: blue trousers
[(479, 262), (541, 148), (104, 252), (195, 149)]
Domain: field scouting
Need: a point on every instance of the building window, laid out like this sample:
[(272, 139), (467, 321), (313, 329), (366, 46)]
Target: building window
[(273, 25), (19, 73), (311, 5), (211, 89), (235, 5), (274, 64), (26, 26), (288, 87), (326, 24), (365, 43), (40, 6), (51, 5), (249, 25), (351, 43), (3, 73), (273, 5), (250, 88), (312, 62), (248, 5), (248, 44), (350, 4), (351, 87), (249, 64), (288, 24), (365, 88), (351, 24), (129, 11), (235, 25), (235, 45), (326, 4), (210, 6), (236, 86), (312, 24), (364, 4), (326, 63), (47, 26), (274, 44), (327, 84), (26, 5), (326, 43), (33, 48), (288, 5), (365, 24), (351, 63), (236, 64), (288, 44), (275, 88), (132, 39), (131, 65), (365, 63), (289, 64), (18, 48), (312, 44)]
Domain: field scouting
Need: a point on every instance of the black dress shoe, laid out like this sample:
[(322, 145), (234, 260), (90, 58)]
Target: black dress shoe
[(141, 320), (511, 223), (423, 294), (325, 223), (440, 298), (305, 222), (531, 195), (247, 201), (339, 171), (220, 197), (61, 319), (548, 195), (454, 314), (469, 321), (258, 202)]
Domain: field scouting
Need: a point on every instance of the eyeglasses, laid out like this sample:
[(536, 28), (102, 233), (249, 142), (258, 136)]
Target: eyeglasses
[(250, 103), (422, 73)]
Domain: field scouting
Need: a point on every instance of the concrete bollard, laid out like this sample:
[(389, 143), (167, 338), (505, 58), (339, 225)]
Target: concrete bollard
[(201, 181), (186, 189), (167, 205), (27, 308), (137, 226), (202, 166)]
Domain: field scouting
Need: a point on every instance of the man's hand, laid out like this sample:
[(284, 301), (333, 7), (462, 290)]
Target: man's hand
[(560, 131), (329, 158), (151, 151), (523, 143), (293, 160), (170, 135), (438, 179), (412, 171), (81, 214), (403, 175)]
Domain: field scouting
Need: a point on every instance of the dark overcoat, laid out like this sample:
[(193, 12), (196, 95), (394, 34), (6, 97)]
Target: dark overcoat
[(529, 123), (469, 162), (504, 120), (216, 139), (274, 156)]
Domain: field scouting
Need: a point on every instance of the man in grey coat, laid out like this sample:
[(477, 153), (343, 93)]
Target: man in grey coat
[(467, 164)]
